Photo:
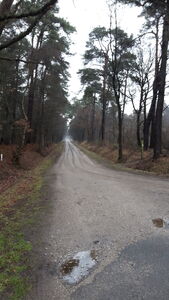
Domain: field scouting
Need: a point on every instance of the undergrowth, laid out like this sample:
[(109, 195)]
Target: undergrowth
[(132, 159), (19, 207)]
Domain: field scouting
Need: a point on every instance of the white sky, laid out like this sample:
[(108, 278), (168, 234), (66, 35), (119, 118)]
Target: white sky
[(85, 15)]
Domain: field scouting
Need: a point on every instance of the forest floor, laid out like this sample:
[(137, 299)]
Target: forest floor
[(20, 204), (9, 173), (131, 159)]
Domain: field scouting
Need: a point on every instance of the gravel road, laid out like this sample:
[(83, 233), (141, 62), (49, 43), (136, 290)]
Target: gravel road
[(92, 207)]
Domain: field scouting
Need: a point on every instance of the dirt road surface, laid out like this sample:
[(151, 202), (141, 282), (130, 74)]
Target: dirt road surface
[(92, 207)]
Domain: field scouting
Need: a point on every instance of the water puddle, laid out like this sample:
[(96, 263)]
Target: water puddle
[(158, 222), (161, 222), (79, 266)]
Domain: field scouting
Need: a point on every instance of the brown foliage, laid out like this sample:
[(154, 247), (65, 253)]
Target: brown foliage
[(132, 159), (9, 173)]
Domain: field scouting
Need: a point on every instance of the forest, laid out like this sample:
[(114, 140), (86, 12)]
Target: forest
[(119, 69), (58, 207), (34, 73)]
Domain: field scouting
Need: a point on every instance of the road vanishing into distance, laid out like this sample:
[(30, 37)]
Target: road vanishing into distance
[(98, 241)]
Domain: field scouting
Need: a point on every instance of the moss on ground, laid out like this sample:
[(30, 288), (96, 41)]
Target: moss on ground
[(19, 207)]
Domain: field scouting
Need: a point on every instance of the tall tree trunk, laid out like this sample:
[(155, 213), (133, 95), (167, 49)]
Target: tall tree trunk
[(150, 117), (149, 120), (104, 101), (41, 137), (162, 80), (120, 134), (15, 102), (31, 95), (93, 120), (33, 78), (139, 111), (152, 134), (103, 121), (116, 88), (138, 130)]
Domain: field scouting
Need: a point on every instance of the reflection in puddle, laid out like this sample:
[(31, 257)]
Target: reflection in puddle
[(67, 268), (78, 267), (158, 222), (161, 222)]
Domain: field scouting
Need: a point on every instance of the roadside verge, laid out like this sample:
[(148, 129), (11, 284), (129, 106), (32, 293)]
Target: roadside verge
[(20, 206), (157, 168)]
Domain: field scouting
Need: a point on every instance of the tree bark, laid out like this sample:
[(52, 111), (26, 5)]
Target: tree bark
[(103, 121), (31, 98), (41, 137), (152, 134), (33, 79), (120, 134), (150, 117), (161, 84), (149, 120), (15, 101), (138, 130), (104, 104), (93, 120)]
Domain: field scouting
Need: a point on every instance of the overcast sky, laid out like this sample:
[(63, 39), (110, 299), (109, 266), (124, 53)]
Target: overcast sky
[(85, 15)]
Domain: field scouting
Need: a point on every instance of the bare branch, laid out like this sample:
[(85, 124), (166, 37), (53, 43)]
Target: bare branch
[(22, 34), (165, 108), (35, 13), (20, 60)]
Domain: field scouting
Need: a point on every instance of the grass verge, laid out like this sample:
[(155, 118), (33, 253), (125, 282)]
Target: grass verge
[(19, 206), (155, 170)]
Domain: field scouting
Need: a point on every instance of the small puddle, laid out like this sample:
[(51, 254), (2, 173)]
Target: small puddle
[(158, 222), (161, 223), (79, 266)]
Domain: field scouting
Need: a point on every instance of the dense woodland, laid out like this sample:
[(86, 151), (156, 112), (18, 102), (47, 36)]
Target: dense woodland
[(36, 214), (33, 73), (120, 69)]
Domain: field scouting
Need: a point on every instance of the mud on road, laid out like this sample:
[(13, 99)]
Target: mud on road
[(92, 209)]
